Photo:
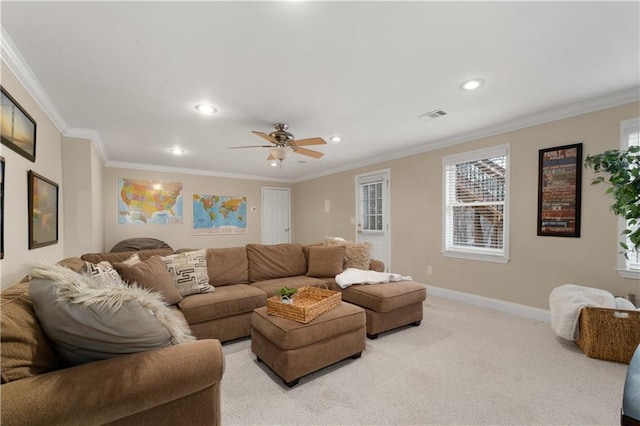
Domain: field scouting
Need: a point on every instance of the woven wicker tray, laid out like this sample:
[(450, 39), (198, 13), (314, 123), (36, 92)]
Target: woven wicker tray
[(308, 303), (610, 334)]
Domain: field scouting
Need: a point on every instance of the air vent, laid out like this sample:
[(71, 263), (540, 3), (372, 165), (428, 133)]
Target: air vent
[(436, 113)]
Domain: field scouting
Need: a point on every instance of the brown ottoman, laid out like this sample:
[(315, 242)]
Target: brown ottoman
[(293, 349), (388, 305)]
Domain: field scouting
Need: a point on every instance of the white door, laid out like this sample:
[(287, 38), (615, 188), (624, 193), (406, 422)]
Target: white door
[(372, 213), (276, 215)]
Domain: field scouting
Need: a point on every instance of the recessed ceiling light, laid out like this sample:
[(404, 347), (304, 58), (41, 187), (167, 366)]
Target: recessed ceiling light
[(472, 84), (176, 150), (335, 138), (206, 109)]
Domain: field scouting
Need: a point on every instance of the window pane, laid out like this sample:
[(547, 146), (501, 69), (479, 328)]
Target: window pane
[(475, 198)]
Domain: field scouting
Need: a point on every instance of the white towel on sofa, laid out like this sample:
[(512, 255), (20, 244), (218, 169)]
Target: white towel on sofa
[(359, 276), (565, 303)]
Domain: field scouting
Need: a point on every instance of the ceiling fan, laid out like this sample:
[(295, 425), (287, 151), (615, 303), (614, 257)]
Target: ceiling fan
[(283, 144)]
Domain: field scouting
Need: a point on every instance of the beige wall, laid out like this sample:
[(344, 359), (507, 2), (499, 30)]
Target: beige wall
[(48, 164), (538, 264), (84, 218), (179, 236)]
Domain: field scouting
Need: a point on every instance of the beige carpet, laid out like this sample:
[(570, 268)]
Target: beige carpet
[(464, 365)]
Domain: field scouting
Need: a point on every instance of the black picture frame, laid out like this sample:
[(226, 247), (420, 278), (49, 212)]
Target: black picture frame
[(18, 129), (559, 191), (43, 211), (2, 166)]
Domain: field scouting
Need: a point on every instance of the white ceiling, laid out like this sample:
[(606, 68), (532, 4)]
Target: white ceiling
[(131, 73)]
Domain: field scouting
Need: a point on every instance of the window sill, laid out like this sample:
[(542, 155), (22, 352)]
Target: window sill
[(627, 273), (476, 256)]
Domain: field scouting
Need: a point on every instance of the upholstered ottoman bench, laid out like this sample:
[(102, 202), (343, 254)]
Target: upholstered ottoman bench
[(293, 349), (388, 305)]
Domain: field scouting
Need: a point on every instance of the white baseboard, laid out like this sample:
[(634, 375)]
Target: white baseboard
[(496, 304)]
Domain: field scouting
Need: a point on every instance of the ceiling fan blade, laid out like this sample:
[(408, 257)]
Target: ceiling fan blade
[(251, 146), (310, 141), (265, 136), (309, 152), (271, 157)]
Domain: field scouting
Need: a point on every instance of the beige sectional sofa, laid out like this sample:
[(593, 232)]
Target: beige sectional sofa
[(151, 387), (244, 277)]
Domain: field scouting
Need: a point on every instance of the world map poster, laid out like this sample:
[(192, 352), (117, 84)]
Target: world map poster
[(145, 202), (219, 214)]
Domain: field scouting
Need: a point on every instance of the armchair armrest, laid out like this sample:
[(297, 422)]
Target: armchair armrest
[(105, 391)]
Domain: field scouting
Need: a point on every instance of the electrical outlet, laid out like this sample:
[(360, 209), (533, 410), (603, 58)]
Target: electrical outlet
[(429, 270)]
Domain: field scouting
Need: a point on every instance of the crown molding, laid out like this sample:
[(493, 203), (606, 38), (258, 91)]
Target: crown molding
[(18, 65), (610, 100), (93, 136), (180, 170)]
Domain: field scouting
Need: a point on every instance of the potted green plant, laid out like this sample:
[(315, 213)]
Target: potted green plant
[(621, 170), (286, 294)]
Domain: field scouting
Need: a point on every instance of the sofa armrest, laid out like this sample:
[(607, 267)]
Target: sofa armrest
[(376, 265), (108, 390)]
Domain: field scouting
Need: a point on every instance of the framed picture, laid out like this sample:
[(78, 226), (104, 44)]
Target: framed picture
[(18, 128), (1, 207), (559, 189), (43, 211)]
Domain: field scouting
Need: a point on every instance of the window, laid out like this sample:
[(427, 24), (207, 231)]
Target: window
[(371, 218), (629, 266), (476, 205)]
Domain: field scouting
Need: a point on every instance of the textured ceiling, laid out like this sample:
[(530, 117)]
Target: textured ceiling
[(133, 71)]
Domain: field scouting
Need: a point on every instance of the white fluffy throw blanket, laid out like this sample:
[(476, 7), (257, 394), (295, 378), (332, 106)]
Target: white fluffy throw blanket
[(566, 301), (358, 276)]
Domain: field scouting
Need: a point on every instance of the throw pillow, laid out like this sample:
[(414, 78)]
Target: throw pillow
[(150, 274), (325, 261), (87, 321), (132, 260), (102, 272), (356, 255), (189, 272)]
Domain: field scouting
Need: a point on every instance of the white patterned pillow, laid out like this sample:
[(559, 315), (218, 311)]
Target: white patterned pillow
[(189, 272), (102, 271)]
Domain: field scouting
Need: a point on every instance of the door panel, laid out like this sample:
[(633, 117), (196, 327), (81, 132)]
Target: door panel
[(276, 215)]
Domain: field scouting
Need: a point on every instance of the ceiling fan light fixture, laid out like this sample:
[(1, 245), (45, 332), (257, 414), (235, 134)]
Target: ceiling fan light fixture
[(471, 84), (281, 152), (207, 109)]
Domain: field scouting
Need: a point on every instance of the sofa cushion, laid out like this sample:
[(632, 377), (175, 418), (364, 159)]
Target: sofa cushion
[(150, 274), (189, 272), (123, 255), (275, 261), (227, 300), (88, 321), (272, 286), (356, 255), (26, 351), (385, 297), (325, 261), (228, 266), (102, 271)]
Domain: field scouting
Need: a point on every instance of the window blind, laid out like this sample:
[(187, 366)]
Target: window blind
[(475, 196)]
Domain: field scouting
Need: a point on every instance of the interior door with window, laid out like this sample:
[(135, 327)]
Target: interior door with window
[(372, 213)]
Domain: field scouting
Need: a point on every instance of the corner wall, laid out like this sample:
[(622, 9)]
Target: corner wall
[(17, 255), (538, 264)]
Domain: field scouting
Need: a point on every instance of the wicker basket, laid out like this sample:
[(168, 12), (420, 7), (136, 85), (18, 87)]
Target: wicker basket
[(610, 334), (308, 303)]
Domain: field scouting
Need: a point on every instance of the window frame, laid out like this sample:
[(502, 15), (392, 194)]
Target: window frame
[(478, 253), (624, 268)]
